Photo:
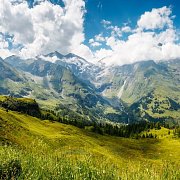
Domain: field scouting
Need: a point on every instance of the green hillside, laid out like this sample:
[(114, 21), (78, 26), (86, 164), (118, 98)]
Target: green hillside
[(35, 149), (133, 81), (24, 105), (105, 93), (149, 87), (157, 107), (54, 86)]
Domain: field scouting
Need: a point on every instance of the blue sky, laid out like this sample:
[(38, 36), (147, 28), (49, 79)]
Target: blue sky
[(122, 11), (117, 31), (119, 12)]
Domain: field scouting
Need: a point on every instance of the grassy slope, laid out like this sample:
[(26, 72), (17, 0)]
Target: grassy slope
[(157, 105), (134, 81), (53, 150), (164, 106)]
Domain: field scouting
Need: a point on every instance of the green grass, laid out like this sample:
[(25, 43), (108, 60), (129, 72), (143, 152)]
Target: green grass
[(158, 105), (47, 150), (25, 100), (164, 105)]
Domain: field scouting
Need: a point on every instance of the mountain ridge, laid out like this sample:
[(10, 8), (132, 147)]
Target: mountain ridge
[(54, 84), (116, 88)]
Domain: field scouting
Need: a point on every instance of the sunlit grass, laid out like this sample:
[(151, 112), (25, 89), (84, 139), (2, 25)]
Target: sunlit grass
[(47, 150), (59, 165)]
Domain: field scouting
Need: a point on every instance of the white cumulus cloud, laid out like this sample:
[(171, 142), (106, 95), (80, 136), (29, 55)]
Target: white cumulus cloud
[(154, 38), (45, 27), (156, 19)]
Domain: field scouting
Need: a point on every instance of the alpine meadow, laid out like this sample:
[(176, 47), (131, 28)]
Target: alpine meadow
[(89, 90)]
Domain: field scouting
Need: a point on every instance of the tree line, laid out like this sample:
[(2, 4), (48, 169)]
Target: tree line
[(127, 131), (72, 118)]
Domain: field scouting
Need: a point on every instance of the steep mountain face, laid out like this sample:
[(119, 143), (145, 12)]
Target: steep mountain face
[(134, 82), (118, 93), (79, 66), (9, 75), (7, 72), (55, 85)]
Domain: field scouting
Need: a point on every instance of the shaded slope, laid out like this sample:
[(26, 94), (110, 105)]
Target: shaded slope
[(55, 85), (8, 75), (132, 82), (92, 91)]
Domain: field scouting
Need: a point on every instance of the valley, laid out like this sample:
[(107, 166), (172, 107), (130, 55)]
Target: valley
[(107, 92)]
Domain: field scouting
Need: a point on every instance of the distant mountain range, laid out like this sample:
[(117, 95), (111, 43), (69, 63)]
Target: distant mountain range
[(145, 90)]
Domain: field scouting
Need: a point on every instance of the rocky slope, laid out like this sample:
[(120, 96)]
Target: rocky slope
[(95, 90)]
